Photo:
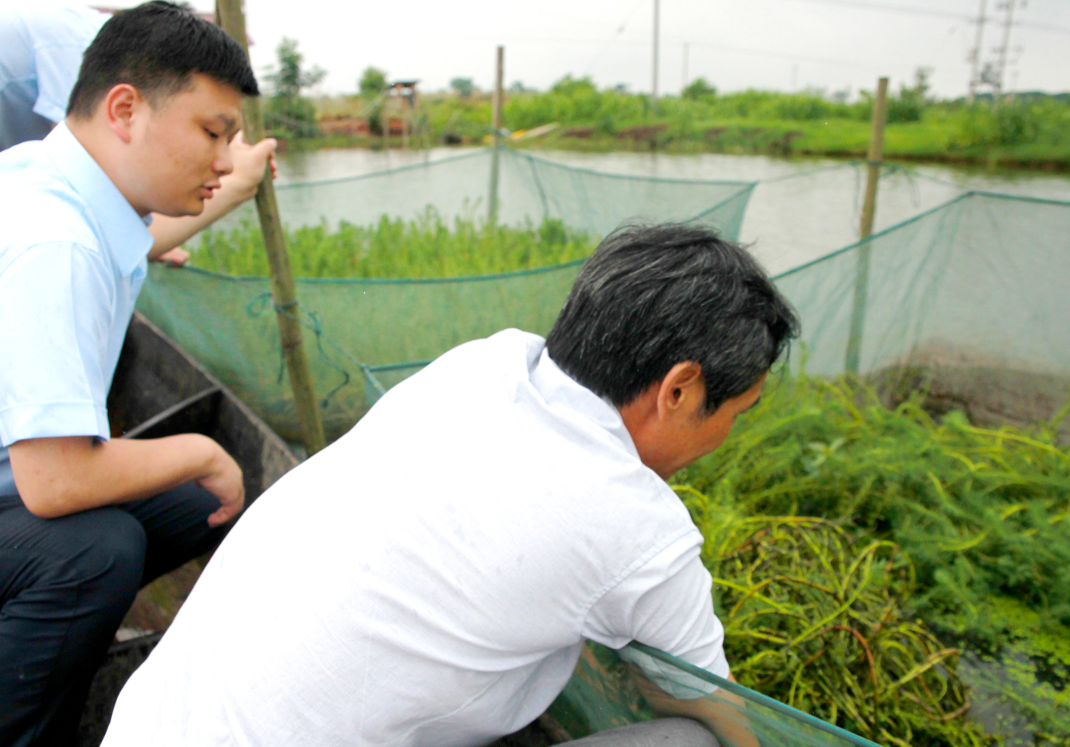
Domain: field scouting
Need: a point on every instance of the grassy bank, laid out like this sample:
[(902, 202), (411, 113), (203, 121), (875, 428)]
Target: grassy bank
[(1029, 132)]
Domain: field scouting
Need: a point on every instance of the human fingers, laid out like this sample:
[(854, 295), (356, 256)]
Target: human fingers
[(177, 257), (225, 482)]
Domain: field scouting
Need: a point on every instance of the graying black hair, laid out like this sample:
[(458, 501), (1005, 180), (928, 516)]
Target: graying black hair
[(654, 296)]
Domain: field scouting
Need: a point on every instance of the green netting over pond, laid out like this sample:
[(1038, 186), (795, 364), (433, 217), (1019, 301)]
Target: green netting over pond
[(979, 280), (529, 188), (974, 289), (374, 332), (601, 695)]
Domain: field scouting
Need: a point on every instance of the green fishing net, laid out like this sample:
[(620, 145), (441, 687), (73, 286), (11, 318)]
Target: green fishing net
[(364, 335), (602, 695)]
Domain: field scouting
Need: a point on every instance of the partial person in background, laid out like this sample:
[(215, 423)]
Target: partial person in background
[(41, 48), (85, 520)]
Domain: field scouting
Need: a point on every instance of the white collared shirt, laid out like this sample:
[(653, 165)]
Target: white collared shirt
[(428, 579), (72, 260)]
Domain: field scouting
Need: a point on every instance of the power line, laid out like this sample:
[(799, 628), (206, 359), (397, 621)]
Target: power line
[(918, 11), (908, 10), (784, 55)]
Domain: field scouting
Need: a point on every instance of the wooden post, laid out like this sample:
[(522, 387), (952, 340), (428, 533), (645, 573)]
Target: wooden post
[(654, 64), (496, 124), (869, 209), (232, 19)]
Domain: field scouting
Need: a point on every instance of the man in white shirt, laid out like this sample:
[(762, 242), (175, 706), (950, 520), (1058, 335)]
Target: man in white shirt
[(428, 580), (86, 520)]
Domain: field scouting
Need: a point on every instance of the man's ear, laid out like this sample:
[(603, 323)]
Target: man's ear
[(123, 104), (681, 391)]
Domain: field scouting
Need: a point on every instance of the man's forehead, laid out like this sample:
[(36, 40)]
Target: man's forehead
[(213, 100)]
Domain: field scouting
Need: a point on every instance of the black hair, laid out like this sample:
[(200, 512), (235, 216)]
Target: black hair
[(654, 296), (156, 47)]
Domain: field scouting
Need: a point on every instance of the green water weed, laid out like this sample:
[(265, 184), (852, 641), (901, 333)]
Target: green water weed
[(427, 247)]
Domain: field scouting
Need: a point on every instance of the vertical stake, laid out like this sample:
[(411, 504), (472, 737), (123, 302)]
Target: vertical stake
[(232, 19), (496, 125), (654, 64), (975, 54), (869, 209)]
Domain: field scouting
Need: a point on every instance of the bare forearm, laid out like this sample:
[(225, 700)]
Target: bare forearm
[(60, 476), (722, 713)]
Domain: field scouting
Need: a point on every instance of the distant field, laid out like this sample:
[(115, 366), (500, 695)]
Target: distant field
[(1031, 132)]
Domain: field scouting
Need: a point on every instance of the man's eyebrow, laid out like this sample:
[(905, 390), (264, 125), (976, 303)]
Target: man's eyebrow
[(228, 122)]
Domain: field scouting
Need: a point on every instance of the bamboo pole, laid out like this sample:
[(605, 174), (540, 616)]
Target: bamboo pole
[(496, 124), (869, 209), (232, 19), (654, 63)]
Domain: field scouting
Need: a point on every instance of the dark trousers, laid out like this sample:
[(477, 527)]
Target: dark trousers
[(65, 585)]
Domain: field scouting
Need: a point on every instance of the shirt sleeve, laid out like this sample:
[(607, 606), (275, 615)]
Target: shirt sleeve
[(58, 58), (665, 604), (56, 304)]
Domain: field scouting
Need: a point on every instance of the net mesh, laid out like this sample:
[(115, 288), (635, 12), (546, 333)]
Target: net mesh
[(366, 335), (529, 188), (603, 695), (966, 301)]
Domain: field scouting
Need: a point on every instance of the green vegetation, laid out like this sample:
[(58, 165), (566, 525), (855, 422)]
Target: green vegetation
[(981, 512), (816, 619), (287, 114), (1032, 130), (372, 82), (1031, 673), (428, 247), (832, 522)]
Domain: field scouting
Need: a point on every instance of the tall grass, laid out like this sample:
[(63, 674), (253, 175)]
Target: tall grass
[(427, 247)]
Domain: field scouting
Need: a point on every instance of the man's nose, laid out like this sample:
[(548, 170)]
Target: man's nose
[(224, 161)]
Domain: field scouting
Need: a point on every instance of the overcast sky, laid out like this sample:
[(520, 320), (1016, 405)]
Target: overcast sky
[(769, 44)]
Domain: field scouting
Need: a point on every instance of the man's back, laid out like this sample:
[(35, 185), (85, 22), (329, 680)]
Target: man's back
[(486, 516)]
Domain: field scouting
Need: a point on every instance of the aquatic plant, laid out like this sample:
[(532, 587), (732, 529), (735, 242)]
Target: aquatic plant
[(815, 618), (979, 511), (427, 247)]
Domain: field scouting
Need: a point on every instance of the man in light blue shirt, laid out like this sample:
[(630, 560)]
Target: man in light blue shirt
[(85, 520), (40, 51)]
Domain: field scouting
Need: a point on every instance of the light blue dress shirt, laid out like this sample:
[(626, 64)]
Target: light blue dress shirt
[(72, 260), (40, 53)]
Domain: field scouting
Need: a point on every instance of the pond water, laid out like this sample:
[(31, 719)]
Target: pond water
[(800, 210)]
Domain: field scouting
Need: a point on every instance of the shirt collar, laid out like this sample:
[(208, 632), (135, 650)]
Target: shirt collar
[(558, 388), (125, 233)]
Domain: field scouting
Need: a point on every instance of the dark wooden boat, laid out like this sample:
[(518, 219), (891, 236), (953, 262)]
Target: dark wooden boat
[(159, 390)]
